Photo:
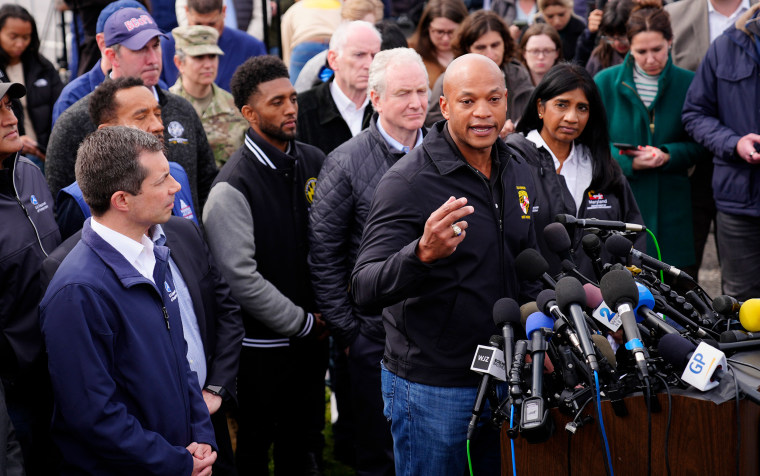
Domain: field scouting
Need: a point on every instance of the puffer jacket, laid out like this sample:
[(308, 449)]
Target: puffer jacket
[(342, 199)]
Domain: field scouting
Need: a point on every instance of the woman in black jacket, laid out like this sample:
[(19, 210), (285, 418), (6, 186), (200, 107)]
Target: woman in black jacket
[(564, 137), (21, 62)]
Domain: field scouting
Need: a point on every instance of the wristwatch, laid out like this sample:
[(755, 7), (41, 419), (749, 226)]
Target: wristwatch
[(216, 390)]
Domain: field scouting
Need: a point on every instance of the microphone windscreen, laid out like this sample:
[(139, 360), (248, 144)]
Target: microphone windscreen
[(543, 299), (605, 348), (538, 320), (618, 245), (564, 219), (526, 310), (530, 265), (570, 290), (618, 287), (730, 336), (592, 245), (675, 350), (645, 299), (496, 341), (557, 238), (593, 295), (749, 315), (724, 304), (506, 310)]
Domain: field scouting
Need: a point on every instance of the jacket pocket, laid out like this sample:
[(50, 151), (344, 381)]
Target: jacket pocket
[(732, 185)]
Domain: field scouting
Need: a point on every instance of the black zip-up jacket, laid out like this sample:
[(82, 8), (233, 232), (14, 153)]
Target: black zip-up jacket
[(554, 198), (436, 314), (27, 234), (319, 121), (257, 215), (43, 86), (347, 183)]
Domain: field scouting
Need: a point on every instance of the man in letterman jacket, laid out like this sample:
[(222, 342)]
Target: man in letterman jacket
[(257, 215)]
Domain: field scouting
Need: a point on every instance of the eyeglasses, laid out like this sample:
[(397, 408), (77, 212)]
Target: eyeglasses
[(441, 33), (546, 52), (611, 40)]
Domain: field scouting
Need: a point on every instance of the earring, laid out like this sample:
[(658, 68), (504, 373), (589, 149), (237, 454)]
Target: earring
[(540, 116)]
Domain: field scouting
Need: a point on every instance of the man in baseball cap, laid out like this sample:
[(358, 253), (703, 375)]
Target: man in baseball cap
[(197, 59), (84, 84), (133, 45)]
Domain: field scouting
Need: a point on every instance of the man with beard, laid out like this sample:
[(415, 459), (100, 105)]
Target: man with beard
[(256, 222), (121, 102)]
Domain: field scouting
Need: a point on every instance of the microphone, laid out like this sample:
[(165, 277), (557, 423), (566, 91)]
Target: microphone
[(570, 295), (726, 305), (506, 313), (535, 424), (737, 336), (531, 266), (488, 362), (702, 365), (749, 315), (645, 314), (621, 246), (592, 246), (515, 373), (526, 310), (620, 291), (547, 303), (558, 241), (566, 219), (605, 349), (593, 295)]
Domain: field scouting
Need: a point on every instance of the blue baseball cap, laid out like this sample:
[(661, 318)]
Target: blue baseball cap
[(111, 8), (131, 28)]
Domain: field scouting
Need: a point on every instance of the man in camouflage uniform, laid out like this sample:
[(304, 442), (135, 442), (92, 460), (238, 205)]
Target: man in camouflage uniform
[(197, 59)]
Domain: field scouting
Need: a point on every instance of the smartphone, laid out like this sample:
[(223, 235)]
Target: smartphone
[(622, 146)]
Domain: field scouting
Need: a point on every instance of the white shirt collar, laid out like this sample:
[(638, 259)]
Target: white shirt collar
[(140, 255), (351, 114), (718, 23), (393, 143), (742, 6)]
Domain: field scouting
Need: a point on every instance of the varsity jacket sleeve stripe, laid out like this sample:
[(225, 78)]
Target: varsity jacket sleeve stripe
[(229, 231)]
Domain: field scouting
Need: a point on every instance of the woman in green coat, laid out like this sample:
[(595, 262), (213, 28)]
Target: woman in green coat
[(643, 97)]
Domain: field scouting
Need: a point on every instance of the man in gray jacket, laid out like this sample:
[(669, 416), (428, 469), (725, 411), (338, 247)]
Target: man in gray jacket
[(398, 90)]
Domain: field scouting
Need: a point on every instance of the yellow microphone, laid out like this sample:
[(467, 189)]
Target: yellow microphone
[(749, 315)]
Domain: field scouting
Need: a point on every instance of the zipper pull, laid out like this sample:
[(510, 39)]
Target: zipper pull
[(166, 318)]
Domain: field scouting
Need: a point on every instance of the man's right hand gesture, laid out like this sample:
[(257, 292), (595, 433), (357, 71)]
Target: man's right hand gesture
[(444, 230)]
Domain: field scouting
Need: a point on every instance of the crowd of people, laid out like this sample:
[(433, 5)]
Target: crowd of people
[(195, 231)]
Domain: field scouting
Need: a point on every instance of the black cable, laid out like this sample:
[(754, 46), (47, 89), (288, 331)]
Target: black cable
[(738, 423), (649, 426), (667, 424), (753, 367), (575, 418)]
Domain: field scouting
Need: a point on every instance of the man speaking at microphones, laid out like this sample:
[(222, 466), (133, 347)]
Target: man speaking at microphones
[(438, 251)]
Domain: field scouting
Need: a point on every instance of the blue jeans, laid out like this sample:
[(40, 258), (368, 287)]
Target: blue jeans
[(429, 428), (302, 53)]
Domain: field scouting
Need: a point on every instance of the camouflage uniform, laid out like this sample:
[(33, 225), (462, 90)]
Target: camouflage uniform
[(224, 125)]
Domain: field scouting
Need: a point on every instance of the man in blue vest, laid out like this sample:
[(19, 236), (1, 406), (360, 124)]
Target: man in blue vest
[(122, 102)]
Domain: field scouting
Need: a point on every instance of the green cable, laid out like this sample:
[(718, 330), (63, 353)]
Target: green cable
[(469, 460), (659, 255)]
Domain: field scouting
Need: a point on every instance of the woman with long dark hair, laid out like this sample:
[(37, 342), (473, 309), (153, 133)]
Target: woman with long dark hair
[(435, 32), (644, 97), (483, 32), (21, 62), (563, 135)]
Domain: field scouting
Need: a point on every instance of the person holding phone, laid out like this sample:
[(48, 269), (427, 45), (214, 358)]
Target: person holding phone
[(644, 96)]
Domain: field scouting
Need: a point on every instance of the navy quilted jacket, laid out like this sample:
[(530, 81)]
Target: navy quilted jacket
[(344, 193)]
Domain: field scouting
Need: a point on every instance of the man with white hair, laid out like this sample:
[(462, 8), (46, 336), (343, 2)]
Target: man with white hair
[(331, 113), (398, 89)]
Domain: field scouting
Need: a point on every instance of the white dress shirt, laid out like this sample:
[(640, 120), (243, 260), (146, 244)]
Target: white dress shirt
[(348, 110), (578, 168), (718, 22), (140, 255)]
